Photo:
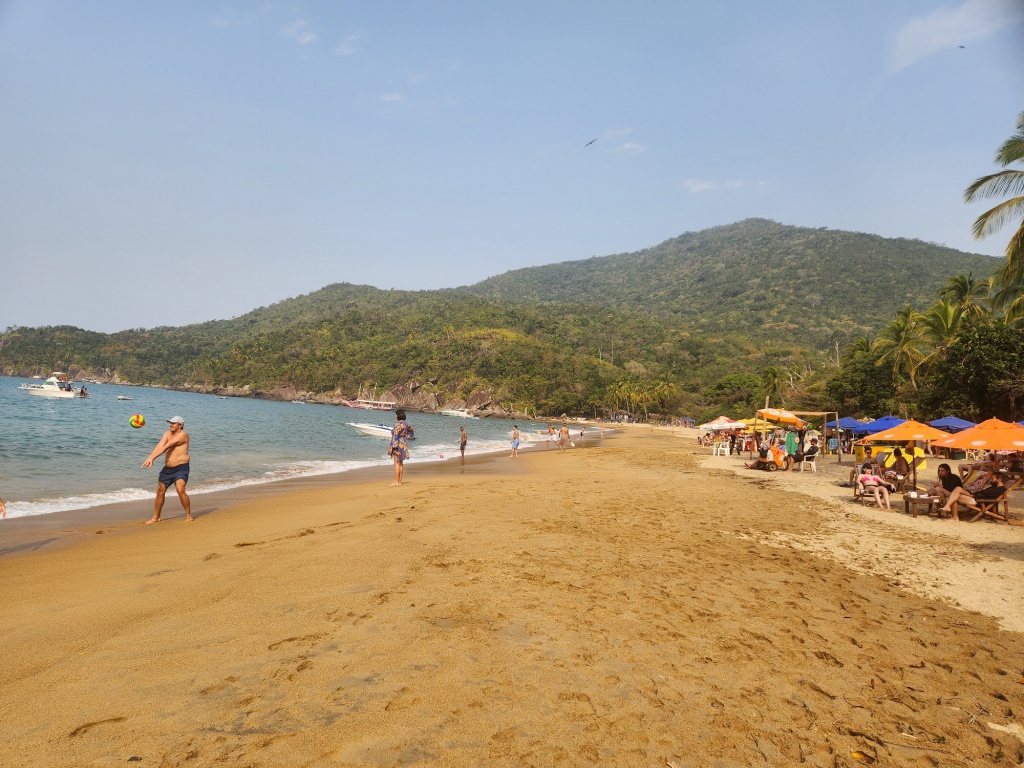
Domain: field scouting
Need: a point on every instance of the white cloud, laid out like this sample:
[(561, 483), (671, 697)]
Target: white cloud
[(392, 97), (297, 31), (631, 148), (347, 46), (946, 28), (699, 185)]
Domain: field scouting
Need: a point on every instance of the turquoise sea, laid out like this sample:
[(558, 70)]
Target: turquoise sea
[(65, 454)]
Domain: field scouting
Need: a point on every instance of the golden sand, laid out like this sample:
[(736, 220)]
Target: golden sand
[(617, 606)]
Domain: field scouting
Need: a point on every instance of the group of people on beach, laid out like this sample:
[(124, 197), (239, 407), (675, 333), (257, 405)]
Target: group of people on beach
[(174, 445)]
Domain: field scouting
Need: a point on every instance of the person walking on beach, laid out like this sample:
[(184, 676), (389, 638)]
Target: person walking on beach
[(399, 448), (563, 438), (552, 437), (3, 509), (515, 442), (174, 446), (463, 439)]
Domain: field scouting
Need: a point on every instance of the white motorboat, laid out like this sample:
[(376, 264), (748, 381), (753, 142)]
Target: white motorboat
[(124, 397), (460, 412), (377, 430), (370, 405), (55, 386)]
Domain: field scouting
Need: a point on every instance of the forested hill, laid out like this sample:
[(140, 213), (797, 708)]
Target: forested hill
[(756, 277), (701, 313)]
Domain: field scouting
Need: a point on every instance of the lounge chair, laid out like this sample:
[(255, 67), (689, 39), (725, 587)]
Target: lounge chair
[(990, 507)]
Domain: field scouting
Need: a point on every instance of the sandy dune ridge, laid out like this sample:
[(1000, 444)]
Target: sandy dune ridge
[(614, 606)]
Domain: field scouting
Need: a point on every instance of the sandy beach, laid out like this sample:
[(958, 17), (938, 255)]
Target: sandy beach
[(638, 603)]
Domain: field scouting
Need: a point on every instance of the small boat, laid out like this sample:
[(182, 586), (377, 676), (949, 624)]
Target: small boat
[(370, 405), (377, 430), (55, 386), (460, 412), (299, 402), (124, 397)]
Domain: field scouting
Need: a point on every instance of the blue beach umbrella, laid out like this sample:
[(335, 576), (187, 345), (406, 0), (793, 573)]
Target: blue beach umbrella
[(847, 422), (878, 425), (951, 424)]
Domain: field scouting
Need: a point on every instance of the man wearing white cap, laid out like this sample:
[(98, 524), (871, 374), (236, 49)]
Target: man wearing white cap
[(174, 446)]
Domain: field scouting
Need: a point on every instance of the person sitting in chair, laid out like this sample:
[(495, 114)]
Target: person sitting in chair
[(899, 468), (987, 464), (871, 483), (963, 496), (948, 482), (762, 458), (809, 454)]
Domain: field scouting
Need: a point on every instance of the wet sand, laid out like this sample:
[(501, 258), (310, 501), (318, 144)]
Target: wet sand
[(616, 606)]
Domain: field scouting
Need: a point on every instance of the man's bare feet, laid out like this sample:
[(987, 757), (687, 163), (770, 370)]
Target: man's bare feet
[(189, 518), (153, 520), (394, 484)]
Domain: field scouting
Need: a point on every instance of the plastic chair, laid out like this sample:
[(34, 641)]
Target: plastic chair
[(809, 462), (720, 449)]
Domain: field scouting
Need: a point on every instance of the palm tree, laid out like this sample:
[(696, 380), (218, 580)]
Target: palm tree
[(862, 344), (967, 293), (1008, 293), (940, 326), (901, 342), (773, 382), (1009, 182)]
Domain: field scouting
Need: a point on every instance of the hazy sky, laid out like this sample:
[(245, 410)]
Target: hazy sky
[(169, 163)]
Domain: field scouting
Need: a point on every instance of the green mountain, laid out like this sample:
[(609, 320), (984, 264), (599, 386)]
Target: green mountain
[(698, 311), (756, 277)]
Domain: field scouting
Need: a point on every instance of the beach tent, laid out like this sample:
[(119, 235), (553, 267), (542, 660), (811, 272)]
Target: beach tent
[(847, 422), (878, 425), (951, 424), (991, 435), (905, 432), (687, 420)]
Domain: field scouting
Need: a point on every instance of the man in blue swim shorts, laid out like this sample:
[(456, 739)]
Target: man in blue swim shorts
[(174, 446)]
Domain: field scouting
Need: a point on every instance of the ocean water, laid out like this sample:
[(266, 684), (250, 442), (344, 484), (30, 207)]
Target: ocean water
[(63, 454)]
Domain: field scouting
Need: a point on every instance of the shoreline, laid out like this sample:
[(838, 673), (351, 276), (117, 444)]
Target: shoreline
[(33, 532)]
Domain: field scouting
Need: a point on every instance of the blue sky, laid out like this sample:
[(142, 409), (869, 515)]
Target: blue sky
[(170, 163)]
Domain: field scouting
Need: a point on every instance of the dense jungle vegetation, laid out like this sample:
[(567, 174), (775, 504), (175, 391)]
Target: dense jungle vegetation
[(708, 322)]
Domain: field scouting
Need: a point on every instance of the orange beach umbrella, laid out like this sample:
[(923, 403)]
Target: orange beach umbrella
[(781, 417), (990, 435), (908, 430)]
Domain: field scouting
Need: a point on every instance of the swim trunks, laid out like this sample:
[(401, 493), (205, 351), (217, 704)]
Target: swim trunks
[(170, 475), (515, 443)]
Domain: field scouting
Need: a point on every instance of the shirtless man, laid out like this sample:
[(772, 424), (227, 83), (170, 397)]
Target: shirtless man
[(174, 446), (563, 438)]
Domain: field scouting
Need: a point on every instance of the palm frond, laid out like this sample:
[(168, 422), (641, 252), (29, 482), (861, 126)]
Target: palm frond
[(995, 185), (993, 219)]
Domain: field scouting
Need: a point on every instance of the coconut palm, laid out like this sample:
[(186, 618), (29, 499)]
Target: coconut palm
[(901, 344), (940, 326), (967, 293), (1008, 182), (1008, 293), (861, 345), (773, 382)]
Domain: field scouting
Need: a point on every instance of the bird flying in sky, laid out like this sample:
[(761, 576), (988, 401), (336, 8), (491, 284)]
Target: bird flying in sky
[(589, 143)]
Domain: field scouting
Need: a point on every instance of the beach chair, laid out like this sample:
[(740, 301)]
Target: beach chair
[(990, 507), (809, 462)]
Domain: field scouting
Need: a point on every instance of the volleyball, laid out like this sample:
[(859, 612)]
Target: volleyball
[(138, 421)]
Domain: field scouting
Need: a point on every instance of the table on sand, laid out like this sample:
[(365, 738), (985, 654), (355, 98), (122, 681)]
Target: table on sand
[(911, 503)]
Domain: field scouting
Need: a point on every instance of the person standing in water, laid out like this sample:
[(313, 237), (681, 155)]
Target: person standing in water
[(515, 442), (399, 448), (174, 446), (463, 439)]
